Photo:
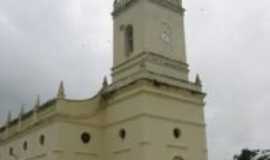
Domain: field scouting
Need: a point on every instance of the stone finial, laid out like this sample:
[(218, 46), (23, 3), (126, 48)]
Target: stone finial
[(9, 117), (61, 91), (20, 117), (35, 109), (198, 80), (36, 102), (105, 82), (21, 112)]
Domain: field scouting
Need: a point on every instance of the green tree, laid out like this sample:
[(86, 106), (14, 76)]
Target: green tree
[(246, 154)]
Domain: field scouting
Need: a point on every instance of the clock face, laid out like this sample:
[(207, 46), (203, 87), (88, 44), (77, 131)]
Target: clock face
[(166, 32), (166, 37)]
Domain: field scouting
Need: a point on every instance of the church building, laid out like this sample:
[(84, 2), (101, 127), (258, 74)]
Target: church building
[(150, 110)]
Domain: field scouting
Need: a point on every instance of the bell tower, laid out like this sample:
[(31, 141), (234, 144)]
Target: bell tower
[(151, 95), (149, 41)]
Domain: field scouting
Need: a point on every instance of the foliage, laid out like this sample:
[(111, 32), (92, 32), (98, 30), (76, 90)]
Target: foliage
[(247, 154)]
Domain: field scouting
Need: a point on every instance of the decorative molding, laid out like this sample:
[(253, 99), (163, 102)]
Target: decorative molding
[(151, 58), (58, 150), (160, 60), (45, 107), (187, 100), (173, 5), (75, 121), (121, 5), (161, 78), (122, 150), (178, 146), (145, 143), (148, 115), (37, 156), (161, 88), (42, 123), (86, 153), (142, 55), (127, 61)]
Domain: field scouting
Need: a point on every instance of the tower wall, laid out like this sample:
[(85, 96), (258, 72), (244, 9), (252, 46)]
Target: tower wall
[(158, 29), (133, 16), (149, 114), (159, 20)]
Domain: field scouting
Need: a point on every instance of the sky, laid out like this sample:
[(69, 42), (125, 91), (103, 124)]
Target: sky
[(43, 42)]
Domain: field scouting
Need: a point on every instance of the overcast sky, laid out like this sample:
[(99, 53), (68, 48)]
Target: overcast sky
[(45, 41)]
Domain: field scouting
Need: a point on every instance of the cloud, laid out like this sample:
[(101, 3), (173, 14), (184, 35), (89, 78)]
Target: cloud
[(43, 42), (227, 44)]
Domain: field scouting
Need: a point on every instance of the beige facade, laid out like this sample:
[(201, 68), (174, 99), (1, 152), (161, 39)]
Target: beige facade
[(150, 111)]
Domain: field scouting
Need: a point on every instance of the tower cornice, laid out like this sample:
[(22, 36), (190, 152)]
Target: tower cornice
[(173, 5), (122, 5), (154, 57)]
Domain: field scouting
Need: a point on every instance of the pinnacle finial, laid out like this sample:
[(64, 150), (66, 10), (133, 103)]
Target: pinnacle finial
[(198, 80), (105, 82), (20, 117), (21, 111), (9, 117), (37, 102), (61, 91)]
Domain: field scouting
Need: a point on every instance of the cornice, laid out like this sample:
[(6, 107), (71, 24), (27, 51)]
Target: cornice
[(173, 5), (185, 93), (121, 6), (42, 123), (29, 114), (152, 58), (153, 116), (137, 56)]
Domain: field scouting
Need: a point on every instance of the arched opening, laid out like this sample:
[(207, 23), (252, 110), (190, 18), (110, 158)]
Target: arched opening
[(25, 146), (122, 134), (129, 40), (42, 140)]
